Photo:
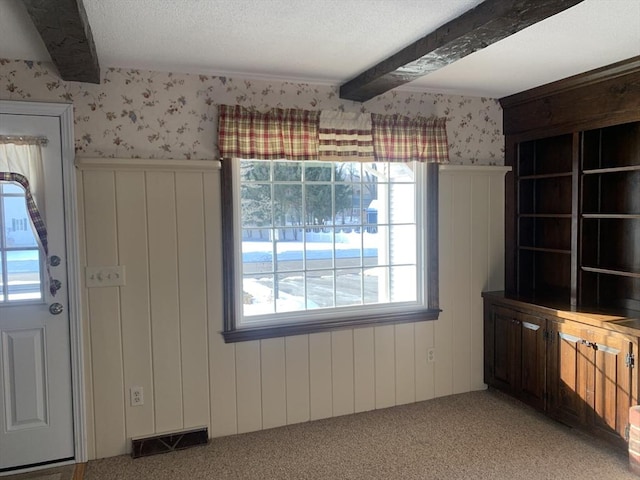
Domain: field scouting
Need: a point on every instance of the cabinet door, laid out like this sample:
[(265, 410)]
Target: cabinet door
[(567, 373), (533, 352), (609, 382), (590, 381), (502, 349)]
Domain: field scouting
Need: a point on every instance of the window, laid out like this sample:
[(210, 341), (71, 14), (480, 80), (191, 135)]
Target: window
[(20, 272), (310, 246)]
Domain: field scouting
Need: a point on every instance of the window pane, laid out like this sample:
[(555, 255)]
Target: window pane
[(290, 292), (319, 205), (287, 204), (257, 256), (287, 172), (23, 275), (256, 205), (402, 203), (318, 251), (317, 171), (401, 172), (402, 281), (349, 172), (17, 226), (255, 170), (1, 281), (257, 295), (289, 249), (348, 249), (348, 287), (402, 244), (10, 187), (375, 284), (320, 289)]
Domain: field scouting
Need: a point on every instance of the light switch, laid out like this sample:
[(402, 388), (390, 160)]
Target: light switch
[(105, 276)]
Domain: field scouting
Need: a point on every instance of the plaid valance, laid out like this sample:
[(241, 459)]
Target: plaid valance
[(294, 134), (403, 139), (289, 134)]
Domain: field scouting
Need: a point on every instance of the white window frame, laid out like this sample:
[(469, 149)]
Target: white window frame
[(237, 328)]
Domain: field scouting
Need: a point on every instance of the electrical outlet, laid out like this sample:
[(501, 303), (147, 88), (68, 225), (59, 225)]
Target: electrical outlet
[(137, 396), (431, 355)]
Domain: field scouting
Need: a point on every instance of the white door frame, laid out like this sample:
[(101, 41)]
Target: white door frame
[(64, 111)]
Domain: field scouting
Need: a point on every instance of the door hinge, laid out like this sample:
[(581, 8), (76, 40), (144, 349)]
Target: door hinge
[(630, 360), (548, 336), (626, 432)]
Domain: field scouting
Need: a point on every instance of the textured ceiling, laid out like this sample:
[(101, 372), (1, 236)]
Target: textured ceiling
[(332, 41)]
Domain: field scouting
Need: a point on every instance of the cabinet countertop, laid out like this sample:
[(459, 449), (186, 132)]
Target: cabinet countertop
[(617, 320)]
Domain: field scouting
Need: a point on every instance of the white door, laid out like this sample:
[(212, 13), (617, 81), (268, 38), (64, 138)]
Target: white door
[(36, 416)]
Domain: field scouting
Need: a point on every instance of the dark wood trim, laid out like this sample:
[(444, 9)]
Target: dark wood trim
[(598, 98), (575, 216), (489, 22), (511, 210), (259, 333), (228, 245), (433, 268), (65, 30)]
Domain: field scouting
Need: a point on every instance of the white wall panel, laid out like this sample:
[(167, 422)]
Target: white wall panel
[(192, 298), (297, 378), (248, 386), (161, 330), (165, 306), (320, 373), (364, 369), (135, 307), (274, 389), (342, 372), (104, 316), (405, 363), (384, 364)]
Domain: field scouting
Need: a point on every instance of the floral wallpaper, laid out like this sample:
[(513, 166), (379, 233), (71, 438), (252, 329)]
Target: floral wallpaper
[(144, 114)]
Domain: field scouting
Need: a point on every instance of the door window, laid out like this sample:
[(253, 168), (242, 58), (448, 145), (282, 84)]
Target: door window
[(20, 262)]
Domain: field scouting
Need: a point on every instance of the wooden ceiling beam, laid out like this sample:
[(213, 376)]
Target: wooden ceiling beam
[(66, 33), (475, 29)]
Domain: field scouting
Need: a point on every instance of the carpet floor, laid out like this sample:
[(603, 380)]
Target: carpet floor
[(478, 435)]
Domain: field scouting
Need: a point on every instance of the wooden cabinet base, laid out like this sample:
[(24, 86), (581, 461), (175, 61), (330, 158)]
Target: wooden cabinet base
[(577, 367)]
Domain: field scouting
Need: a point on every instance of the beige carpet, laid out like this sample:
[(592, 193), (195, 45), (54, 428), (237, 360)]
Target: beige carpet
[(479, 435)]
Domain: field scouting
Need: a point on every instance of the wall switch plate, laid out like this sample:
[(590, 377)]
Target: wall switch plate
[(105, 276), (137, 396)]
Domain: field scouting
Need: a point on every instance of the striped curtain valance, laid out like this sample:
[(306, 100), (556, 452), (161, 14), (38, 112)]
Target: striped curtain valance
[(290, 134), (345, 136), (294, 134), (402, 139)]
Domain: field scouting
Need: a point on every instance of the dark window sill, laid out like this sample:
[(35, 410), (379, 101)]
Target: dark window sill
[(274, 331)]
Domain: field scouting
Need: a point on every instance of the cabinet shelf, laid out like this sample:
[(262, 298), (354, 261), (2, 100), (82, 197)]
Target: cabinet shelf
[(619, 216), (594, 171), (545, 175), (544, 215), (612, 271), (548, 250)]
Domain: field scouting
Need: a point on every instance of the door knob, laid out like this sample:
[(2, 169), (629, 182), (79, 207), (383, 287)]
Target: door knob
[(56, 308)]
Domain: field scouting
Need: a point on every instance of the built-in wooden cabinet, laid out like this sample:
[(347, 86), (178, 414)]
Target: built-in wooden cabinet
[(582, 374), (578, 217), (564, 335)]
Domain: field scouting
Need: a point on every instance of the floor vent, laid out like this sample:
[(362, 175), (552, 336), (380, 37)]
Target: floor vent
[(168, 442)]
